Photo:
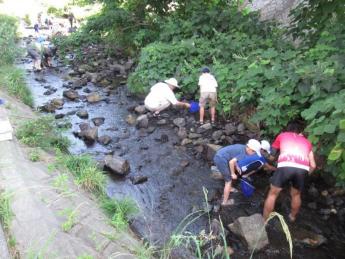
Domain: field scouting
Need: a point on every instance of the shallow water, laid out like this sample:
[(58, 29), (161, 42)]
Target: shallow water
[(172, 193)]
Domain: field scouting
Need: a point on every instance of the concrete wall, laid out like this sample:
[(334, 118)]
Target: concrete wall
[(273, 9)]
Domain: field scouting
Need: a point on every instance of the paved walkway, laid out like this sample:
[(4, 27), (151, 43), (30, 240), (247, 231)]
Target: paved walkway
[(42, 208)]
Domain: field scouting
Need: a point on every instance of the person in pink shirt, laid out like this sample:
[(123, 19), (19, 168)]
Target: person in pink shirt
[(295, 161)]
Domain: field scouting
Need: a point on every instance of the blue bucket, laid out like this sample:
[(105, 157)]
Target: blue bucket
[(247, 188), (194, 107)]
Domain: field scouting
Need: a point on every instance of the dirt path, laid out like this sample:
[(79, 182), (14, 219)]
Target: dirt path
[(42, 210)]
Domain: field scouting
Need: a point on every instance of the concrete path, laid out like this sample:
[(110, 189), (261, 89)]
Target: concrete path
[(42, 208)]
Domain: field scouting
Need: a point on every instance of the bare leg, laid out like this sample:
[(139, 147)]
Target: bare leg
[(202, 113), (213, 114), (227, 189), (270, 201), (295, 203)]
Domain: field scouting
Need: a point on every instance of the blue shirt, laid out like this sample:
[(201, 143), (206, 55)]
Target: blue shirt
[(250, 163), (233, 151)]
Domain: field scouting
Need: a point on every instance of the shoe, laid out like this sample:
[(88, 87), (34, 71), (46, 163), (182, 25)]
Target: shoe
[(213, 123), (228, 203), (200, 123)]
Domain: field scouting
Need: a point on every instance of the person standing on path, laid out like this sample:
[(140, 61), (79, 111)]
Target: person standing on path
[(208, 93), (295, 161), (222, 160), (71, 19), (161, 96)]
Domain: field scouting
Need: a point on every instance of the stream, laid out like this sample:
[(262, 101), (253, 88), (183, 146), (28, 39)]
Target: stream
[(176, 174)]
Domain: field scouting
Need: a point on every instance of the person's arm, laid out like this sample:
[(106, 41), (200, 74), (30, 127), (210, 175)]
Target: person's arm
[(183, 104), (232, 166), (312, 162), (269, 167)]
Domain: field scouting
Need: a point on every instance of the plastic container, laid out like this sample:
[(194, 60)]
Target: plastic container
[(247, 188), (194, 107)]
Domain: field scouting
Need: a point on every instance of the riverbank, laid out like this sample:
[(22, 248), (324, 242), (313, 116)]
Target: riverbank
[(49, 215)]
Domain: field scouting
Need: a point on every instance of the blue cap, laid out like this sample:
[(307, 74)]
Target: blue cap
[(205, 70)]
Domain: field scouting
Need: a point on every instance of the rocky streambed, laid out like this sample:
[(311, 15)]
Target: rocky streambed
[(169, 161)]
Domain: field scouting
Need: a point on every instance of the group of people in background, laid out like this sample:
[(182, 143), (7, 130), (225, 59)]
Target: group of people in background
[(291, 151)]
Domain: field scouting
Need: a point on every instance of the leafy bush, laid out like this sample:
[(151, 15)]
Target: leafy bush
[(43, 133), (58, 12), (27, 20), (8, 48)]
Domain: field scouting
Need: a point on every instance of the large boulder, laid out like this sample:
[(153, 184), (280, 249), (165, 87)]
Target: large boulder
[(98, 121), (252, 230), (82, 114), (230, 129), (140, 109), (90, 135), (117, 164), (79, 83), (180, 122)]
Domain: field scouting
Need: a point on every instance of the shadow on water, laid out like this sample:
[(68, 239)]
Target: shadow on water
[(171, 191)]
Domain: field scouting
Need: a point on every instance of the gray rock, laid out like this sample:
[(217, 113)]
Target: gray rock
[(230, 129), (57, 102), (93, 98), (84, 126), (312, 191), (104, 140), (117, 164), (70, 94), (186, 141), (179, 122), (79, 83), (83, 114), (142, 121), (90, 134), (211, 150), (204, 128), (162, 122), (194, 135), (182, 133), (252, 229), (312, 205), (140, 109), (138, 179), (59, 116), (240, 128), (308, 238), (98, 121), (217, 134), (150, 129)]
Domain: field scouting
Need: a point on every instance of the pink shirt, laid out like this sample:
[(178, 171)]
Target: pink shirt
[(294, 150)]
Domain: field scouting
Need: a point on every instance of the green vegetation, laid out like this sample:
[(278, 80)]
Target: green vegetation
[(42, 132), (27, 20), (58, 12), (120, 211), (70, 215), (34, 155), (6, 214), (11, 78)]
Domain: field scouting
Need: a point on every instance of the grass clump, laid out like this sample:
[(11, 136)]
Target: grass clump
[(34, 155), (70, 219), (120, 211), (85, 171), (6, 213), (43, 133)]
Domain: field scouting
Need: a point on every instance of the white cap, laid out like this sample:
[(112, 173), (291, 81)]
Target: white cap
[(172, 81), (266, 146), (254, 145)]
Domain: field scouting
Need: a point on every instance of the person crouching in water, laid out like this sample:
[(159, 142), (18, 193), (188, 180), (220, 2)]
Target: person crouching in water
[(222, 160), (48, 52), (161, 96), (35, 52)]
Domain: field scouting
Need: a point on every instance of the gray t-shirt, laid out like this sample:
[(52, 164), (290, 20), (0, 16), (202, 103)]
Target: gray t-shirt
[(232, 151)]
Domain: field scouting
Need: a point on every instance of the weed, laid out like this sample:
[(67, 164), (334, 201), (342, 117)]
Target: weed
[(12, 241), (71, 219), (40, 253), (43, 133), (145, 251), (6, 213), (87, 175), (60, 182), (34, 155), (120, 211), (27, 20)]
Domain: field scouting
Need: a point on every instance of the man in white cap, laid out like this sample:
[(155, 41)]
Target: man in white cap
[(161, 96), (222, 160)]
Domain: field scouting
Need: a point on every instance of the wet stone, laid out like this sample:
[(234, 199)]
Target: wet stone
[(70, 94), (86, 90), (93, 98), (140, 109), (144, 147), (229, 129), (59, 116), (204, 128), (117, 164), (217, 134), (312, 191), (325, 211), (194, 135), (182, 133), (240, 128), (71, 112), (83, 114), (104, 140), (130, 119), (186, 141), (312, 205), (150, 129), (179, 122), (84, 126), (162, 122), (142, 121), (138, 179), (98, 121), (184, 163)]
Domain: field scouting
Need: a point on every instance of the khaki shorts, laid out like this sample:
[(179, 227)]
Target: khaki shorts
[(211, 97)]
